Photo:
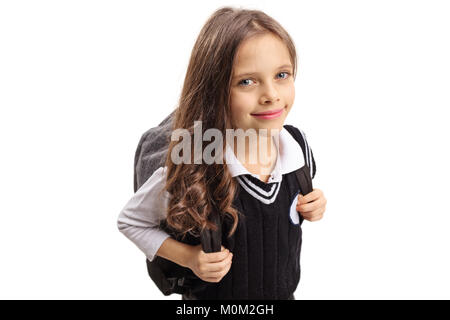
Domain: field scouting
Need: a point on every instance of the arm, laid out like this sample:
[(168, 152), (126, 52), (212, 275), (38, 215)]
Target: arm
[(139, 222), (211, 267), (140, 217), (176, 251)]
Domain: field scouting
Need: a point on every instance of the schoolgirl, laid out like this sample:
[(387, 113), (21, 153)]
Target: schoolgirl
[(240, 76)]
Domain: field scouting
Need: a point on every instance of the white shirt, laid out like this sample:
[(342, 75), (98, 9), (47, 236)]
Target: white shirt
[(140, 217)]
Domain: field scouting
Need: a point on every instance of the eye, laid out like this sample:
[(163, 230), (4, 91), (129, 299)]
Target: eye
[(286, 73), (242, 81)]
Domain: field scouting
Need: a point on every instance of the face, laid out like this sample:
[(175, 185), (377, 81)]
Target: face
[(262, 81)]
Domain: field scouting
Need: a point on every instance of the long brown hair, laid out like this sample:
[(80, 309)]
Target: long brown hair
[(196, 188)]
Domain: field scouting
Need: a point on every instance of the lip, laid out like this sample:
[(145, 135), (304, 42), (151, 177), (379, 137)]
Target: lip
[(268, 114)]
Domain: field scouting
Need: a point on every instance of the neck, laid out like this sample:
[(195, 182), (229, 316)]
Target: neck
[(258, 157)]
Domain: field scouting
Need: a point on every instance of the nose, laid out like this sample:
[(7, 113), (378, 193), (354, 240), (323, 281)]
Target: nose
[(270, 94)]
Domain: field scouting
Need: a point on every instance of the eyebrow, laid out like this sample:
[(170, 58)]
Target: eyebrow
[(252, 73)]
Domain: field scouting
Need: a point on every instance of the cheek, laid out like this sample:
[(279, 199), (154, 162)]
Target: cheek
[(241, 105), (289, 94), (292, 96)]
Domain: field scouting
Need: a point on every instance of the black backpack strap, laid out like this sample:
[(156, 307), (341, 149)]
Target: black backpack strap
[(212, 240), (308, 155), (306, 173), (172, 278)]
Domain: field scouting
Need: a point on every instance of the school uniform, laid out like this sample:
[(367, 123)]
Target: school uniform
[(267, 243)]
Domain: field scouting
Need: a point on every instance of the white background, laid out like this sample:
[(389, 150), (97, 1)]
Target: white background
[(80, 81)]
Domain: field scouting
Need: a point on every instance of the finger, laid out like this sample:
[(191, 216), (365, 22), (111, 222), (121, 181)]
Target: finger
[(314, 215), (305, 215), (316, 218), (311, 206), (218, 274), (313, 195), (212, 279), (307, 207), (218, 266), (217, 256)]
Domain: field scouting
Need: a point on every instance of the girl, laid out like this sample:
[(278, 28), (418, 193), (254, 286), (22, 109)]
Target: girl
[(240, 76)]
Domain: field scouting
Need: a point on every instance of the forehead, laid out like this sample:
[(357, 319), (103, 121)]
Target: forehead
[(261, 53)]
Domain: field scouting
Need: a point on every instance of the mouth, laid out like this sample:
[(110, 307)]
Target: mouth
[(268, 114)]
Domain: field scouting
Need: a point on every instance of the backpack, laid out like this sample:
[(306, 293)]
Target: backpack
[(151, 154)]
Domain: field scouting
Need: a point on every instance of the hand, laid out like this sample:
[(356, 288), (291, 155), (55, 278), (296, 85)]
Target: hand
[(312, 205), (210, 267)]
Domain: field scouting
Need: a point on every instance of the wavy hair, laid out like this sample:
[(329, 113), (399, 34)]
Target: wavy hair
[(198, 188)]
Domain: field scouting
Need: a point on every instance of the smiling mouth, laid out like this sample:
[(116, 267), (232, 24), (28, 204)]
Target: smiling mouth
[(268, 113)]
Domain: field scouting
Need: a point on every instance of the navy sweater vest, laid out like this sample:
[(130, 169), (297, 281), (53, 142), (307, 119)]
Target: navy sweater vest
[(266, 245)]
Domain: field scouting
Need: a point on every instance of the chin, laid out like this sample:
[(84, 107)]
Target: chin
[(273, 129)]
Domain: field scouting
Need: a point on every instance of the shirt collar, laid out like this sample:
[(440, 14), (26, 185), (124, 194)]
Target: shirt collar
[(289, 158)]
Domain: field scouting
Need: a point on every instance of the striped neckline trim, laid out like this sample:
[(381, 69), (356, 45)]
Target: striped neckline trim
[(265, 196)]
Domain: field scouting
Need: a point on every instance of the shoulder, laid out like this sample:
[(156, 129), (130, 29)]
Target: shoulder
[(294, 130), (300, 136), (154, 185)]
